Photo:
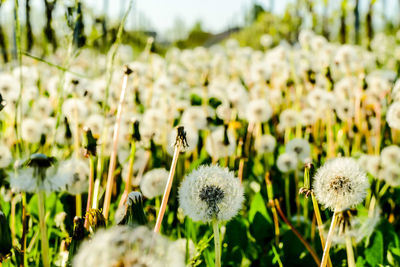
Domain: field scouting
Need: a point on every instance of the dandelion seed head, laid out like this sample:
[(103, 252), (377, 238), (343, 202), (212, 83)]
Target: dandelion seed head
[(340, 184), (5, 156), (287, 162), (391, 175), (370, 164), (266, 40), (30, 131), (194, 117), (393, 116), (308, 116), (75, 108), (221, 143), (124, 246), (288, 118), (210, 192), (344, 110), (358, 226), (265, 144), (300, 147), (77, 172), (153, 183), (390, 155), (258, 111)]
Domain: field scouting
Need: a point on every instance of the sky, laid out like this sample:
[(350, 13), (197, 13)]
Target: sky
[(216, 15), (162, 15)]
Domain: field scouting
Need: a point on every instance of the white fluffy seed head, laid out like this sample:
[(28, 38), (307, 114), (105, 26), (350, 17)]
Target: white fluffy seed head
[(370, 164), (25, 181), (393, 116), (288, 118), (221, 143), (77, 171), (30, 131), (265, 144), (153, 183), (358, 226), (340, 184), (124, 246), (5, 156), (390, 156), (287, 162), (258, 110), (300, 147), (390, 174), (211, 192)]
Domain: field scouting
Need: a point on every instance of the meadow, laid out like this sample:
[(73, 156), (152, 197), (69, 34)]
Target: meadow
[(283, 154)]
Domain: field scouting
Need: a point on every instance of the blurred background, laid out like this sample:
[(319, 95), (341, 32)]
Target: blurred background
[(46, 24)]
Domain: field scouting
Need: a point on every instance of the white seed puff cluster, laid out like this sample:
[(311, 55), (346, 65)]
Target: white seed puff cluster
[(124, 246), (340, 184), (211, 193), (153, 183)]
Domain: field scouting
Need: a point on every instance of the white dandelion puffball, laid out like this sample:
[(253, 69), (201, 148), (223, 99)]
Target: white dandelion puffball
[(153, 183), (390, 155), (391, 175), (288, 118), (370, 163), (287, 162), (24, 180), (211, 193), (5, 156), (265, 144), (258, 111), (31, 130), (340, 184), (124, 246), (195, 117), (357, 227), (300, 147), (393, 116), (77, 171), (221, 143)]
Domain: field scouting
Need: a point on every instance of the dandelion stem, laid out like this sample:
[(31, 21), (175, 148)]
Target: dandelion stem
[(90, 190), (297, 199), (24, 228), (43, 230), (217, 244), (287, 196), (167, 188), (320, 224), (113, 158), (128, 178), (240, 171), (350, 255), (78, 205), (308, 247), (328, 243), (270, 194)]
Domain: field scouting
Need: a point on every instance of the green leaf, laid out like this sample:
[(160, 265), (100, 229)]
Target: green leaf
[(360, 262), (258, 205), (261, 230), (236, 234), (374, 253)]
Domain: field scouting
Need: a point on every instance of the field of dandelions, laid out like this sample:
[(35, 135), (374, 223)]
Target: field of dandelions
[(220, 156)]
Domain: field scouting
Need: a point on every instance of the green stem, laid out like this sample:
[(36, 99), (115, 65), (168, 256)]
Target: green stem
[(43, 229), (78, 205), (217, 244), (287, 196)]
